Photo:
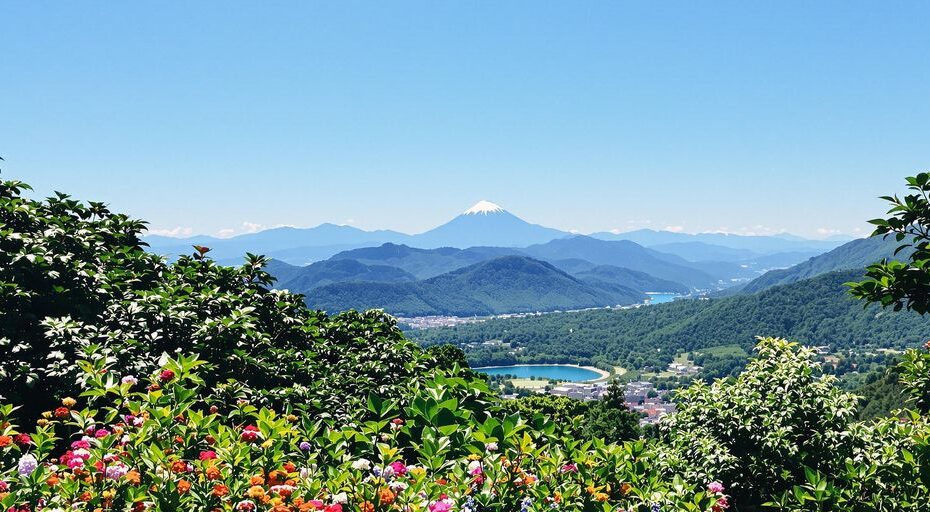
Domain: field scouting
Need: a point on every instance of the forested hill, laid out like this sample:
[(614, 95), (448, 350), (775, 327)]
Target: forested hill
[(816, 311), (510, 284), (857, 254)]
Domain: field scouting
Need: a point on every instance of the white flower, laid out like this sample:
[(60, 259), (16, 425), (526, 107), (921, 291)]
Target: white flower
[(362, 465), (491, 447), (341, 498), (473, 465), (27, 464)]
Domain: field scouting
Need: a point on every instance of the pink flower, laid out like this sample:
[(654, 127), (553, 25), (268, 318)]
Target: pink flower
[(166, 375), (715, 487), (80, 444), (399, 468), (440, 506), (207, 455), (116, 471), (722, 504), (101, 433), (569, 468)]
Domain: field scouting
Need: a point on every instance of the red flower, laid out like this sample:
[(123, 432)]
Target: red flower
[(249, 434), (22, 439), (61, 412), (166, 375)]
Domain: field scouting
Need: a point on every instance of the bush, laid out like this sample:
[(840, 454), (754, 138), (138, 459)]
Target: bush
[(75, 283), (129, 446), (758, 433)]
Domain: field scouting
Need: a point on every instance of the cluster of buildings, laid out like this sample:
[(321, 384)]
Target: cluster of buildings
[(426, 322), (684, 368), (580, 390), (641, 397)]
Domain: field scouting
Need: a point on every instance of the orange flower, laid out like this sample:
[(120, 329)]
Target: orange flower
[(220, 490), (213, 473), (184, 486), (386, 496), (257, 480), (52, 480), (255, 492), (179, 466), (290, 467), (367, 507), (5, 441), (133, 477), (625, 488), (276, 477), (85, 496)]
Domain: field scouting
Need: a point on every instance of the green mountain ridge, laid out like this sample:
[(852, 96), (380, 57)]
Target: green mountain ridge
[(815, 311), (510, 284), (856, 254)]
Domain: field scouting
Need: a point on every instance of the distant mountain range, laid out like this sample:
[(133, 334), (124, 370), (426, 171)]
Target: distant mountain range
[(483, 225), (854, 255), (509, 284), (489, 261), (756, 244)]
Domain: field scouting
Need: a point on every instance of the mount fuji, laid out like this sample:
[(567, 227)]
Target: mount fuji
[(486, 224)]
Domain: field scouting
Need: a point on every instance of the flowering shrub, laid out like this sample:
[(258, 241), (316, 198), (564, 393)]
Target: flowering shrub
[(75, 283), (155, 444)]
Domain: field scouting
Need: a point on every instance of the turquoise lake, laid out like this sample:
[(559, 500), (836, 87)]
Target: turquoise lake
[(661, 298), (559, 372)]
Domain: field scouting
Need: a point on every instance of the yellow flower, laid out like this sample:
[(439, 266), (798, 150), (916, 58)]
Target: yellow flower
[(474, 457), (267, 444), (69, 402), (109, 494), (600, 496)]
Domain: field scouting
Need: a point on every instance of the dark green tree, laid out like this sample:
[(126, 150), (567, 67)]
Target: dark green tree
[(905, 284)]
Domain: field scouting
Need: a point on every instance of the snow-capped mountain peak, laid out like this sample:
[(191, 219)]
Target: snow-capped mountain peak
[(483, 208)]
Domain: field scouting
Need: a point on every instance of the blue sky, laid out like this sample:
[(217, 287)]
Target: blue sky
[(227, 117)]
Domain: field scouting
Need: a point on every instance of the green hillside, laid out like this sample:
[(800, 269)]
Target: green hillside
[(631, 278), (817, 311), (510, 284), (322, 273), (857, 254)]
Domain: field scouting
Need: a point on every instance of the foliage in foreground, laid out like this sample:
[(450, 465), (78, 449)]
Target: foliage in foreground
[(125, 445), (296, 410), (75, 280)]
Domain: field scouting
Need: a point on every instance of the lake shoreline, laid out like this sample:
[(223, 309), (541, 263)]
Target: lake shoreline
[(602, 374)]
